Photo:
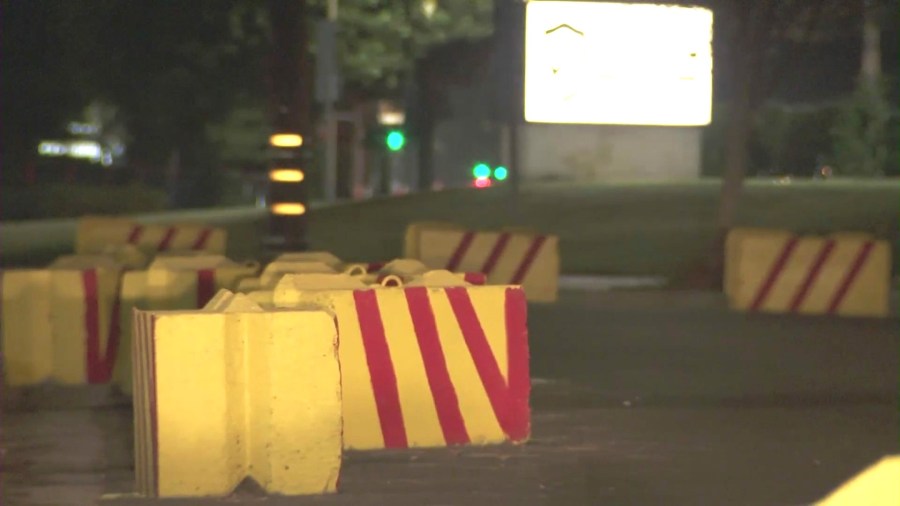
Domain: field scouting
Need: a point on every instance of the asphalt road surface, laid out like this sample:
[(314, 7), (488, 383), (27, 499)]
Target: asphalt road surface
[(644, 397)]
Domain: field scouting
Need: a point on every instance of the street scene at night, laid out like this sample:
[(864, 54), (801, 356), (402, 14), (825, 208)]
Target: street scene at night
[(449, 252)]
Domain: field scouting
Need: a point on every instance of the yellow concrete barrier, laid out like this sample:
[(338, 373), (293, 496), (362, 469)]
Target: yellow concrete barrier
[(94, 233), (172, 282), (61, 323), (319, 262), (844, 274), (511, 257), (232, 391), (877, 485), (436, 362)]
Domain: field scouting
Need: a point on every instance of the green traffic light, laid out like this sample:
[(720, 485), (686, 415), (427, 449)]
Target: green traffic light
[(481, 171), (500, 173), (395, 140)]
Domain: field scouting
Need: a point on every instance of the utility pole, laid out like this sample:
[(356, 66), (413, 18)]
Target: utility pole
[(327, 90), (509, 89), (289, 148)]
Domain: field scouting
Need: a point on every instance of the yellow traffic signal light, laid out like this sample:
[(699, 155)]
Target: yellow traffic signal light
[(285, 140), (286, 175)]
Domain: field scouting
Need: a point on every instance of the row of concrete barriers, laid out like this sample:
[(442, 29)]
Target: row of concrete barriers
[(426, 358)]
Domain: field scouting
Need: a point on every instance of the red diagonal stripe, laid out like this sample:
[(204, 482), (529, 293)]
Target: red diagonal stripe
[(858, 262), (475, 278), (516, 309), (483, 357), (167, 239), (381, 369), (530, 255), (206, 286), (202, 238), (445, 401), (460, 251), (99, 368), (812, 275), (134, 236), (774, 272), (494, 256), (92, 326)]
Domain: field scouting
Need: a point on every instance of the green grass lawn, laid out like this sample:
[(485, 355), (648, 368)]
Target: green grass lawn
[(635, 228)]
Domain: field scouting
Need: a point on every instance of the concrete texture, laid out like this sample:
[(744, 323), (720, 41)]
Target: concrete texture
[(639, 397)]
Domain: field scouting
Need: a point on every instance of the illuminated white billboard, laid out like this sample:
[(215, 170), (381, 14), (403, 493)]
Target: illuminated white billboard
[(615, 63)]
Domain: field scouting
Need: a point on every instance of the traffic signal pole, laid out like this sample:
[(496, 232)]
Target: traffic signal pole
[(289, 149)]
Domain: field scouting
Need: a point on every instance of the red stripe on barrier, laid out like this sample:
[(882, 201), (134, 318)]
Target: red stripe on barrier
[(154, 423), (851, 276), (167, 239), (475, 278), (812, 275), (516, 309), (134, 236), (92, 326), (200, 243), (530, 255), (206, 286), (381, 369), (460, 251), (446, 402), (494, 256), (777, 267), (99, 368), (482, 356)]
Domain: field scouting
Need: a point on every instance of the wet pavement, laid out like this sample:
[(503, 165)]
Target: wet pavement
[(639, 398)]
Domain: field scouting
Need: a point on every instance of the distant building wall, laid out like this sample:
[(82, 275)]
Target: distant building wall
[(562, 152), (609, 152)]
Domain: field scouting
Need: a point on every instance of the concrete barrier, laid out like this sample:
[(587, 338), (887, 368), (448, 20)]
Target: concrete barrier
[(844, 274), (172, 282), (436, 362), (94, 233), (231, 392), (61, 323), (513, 257), (876, 485)]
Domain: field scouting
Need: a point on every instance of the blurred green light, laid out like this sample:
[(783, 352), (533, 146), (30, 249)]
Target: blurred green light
[(481, 171), (500, 173), (395, 140)]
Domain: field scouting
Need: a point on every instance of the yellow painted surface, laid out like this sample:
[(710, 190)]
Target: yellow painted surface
[(435, 244), (44, 319), (169, 284), (232, 401), (27, 339), (878, 485), (411, 241), (473, 400), (362, 426), (751, 258), (733, 251), (67, 320), (96, 233), (416, 400), (310, 256)]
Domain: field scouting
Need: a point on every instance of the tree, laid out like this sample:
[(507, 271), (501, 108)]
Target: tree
[(753, 61), (861, 131)]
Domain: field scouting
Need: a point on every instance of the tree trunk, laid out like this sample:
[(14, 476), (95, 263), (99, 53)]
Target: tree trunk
[(748, 48)]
